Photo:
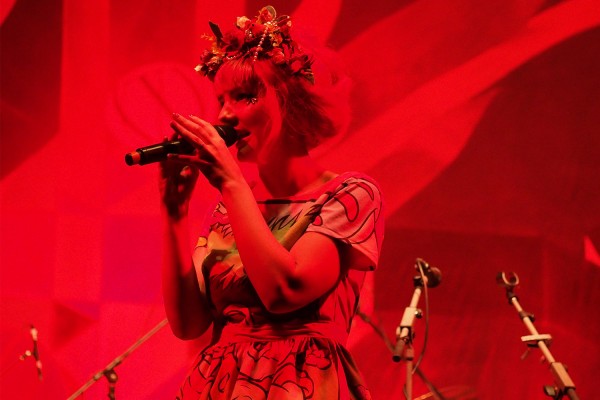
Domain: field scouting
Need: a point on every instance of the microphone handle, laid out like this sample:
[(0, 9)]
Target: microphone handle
[(158, 152)]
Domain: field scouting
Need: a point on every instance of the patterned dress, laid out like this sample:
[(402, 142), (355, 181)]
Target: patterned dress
[(299, 355)]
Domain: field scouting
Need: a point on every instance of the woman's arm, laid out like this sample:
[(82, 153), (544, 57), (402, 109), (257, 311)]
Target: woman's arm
[(285, 280), (183, 290)]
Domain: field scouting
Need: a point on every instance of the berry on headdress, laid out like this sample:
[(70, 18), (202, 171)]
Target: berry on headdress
[(265, 36)]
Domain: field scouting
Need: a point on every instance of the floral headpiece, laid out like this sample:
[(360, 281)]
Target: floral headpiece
[(265, 36)]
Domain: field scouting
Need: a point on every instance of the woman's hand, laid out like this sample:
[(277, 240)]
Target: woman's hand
[(177, 182), (184, 295), (211, 157)]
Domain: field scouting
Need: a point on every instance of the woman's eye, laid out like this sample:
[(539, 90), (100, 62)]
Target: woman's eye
[(247, 97)]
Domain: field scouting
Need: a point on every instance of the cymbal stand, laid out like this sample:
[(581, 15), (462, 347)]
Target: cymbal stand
[(564, 384), (109, 370)]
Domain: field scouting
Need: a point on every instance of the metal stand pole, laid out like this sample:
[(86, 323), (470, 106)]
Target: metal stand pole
[(564, 384), (403, 349), (380, 331), (109, 370)]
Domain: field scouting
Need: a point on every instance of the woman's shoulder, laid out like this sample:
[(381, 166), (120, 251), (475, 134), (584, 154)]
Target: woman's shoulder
[(355, 176), (351, 178)]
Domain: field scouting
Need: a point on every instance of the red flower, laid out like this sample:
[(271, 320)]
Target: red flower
[(257, 29), (271, 34), (277, 55), (234, 40), (296, 65), (285, 28)]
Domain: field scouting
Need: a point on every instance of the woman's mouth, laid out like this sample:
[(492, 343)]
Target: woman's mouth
[(241, 136)]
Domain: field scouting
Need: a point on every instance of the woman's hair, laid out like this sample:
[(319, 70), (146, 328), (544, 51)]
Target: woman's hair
[(259, 53), (312, 112)]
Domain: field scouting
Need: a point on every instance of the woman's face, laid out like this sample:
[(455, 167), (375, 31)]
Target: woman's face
[(255, 114)]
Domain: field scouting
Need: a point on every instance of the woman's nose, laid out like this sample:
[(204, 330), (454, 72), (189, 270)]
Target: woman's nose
[(227, 115)]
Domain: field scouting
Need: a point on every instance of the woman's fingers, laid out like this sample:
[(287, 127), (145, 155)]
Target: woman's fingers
[(185, 131), (207, 128), (194, 126), (211, 158), (201, 135), (204, 160)]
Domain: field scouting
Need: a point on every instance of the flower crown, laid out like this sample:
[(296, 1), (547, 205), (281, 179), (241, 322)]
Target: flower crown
[(265, 36)]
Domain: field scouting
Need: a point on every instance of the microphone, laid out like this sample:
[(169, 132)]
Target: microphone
[(35, 352), (434, 275), (159, 151)]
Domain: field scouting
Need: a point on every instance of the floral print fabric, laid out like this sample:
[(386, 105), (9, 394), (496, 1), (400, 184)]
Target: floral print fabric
[(293, 368), (298, 355)]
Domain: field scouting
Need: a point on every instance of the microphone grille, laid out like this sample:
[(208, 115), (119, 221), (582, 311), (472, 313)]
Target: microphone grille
[(228, 133)]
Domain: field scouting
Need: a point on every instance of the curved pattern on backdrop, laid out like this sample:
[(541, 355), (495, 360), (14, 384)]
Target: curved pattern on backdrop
[(479, 120)]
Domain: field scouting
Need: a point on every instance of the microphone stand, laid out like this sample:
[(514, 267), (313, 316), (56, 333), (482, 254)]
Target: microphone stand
[(22, 357), (564, 384), (379, 330), (27, 353), (403, 350), (109, 370)]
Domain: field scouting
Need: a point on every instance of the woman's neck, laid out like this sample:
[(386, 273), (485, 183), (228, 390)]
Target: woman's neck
[(291, 176)]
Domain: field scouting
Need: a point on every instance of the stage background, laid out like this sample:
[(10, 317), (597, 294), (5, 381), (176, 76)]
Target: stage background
[(480, 119)]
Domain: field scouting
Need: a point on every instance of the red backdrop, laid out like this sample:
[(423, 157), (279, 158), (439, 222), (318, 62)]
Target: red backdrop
[(479, 119)]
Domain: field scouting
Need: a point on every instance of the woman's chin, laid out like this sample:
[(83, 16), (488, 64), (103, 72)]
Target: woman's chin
[(245, 154)]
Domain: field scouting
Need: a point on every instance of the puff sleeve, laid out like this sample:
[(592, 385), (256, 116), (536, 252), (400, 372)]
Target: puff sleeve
[(353, 215)]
